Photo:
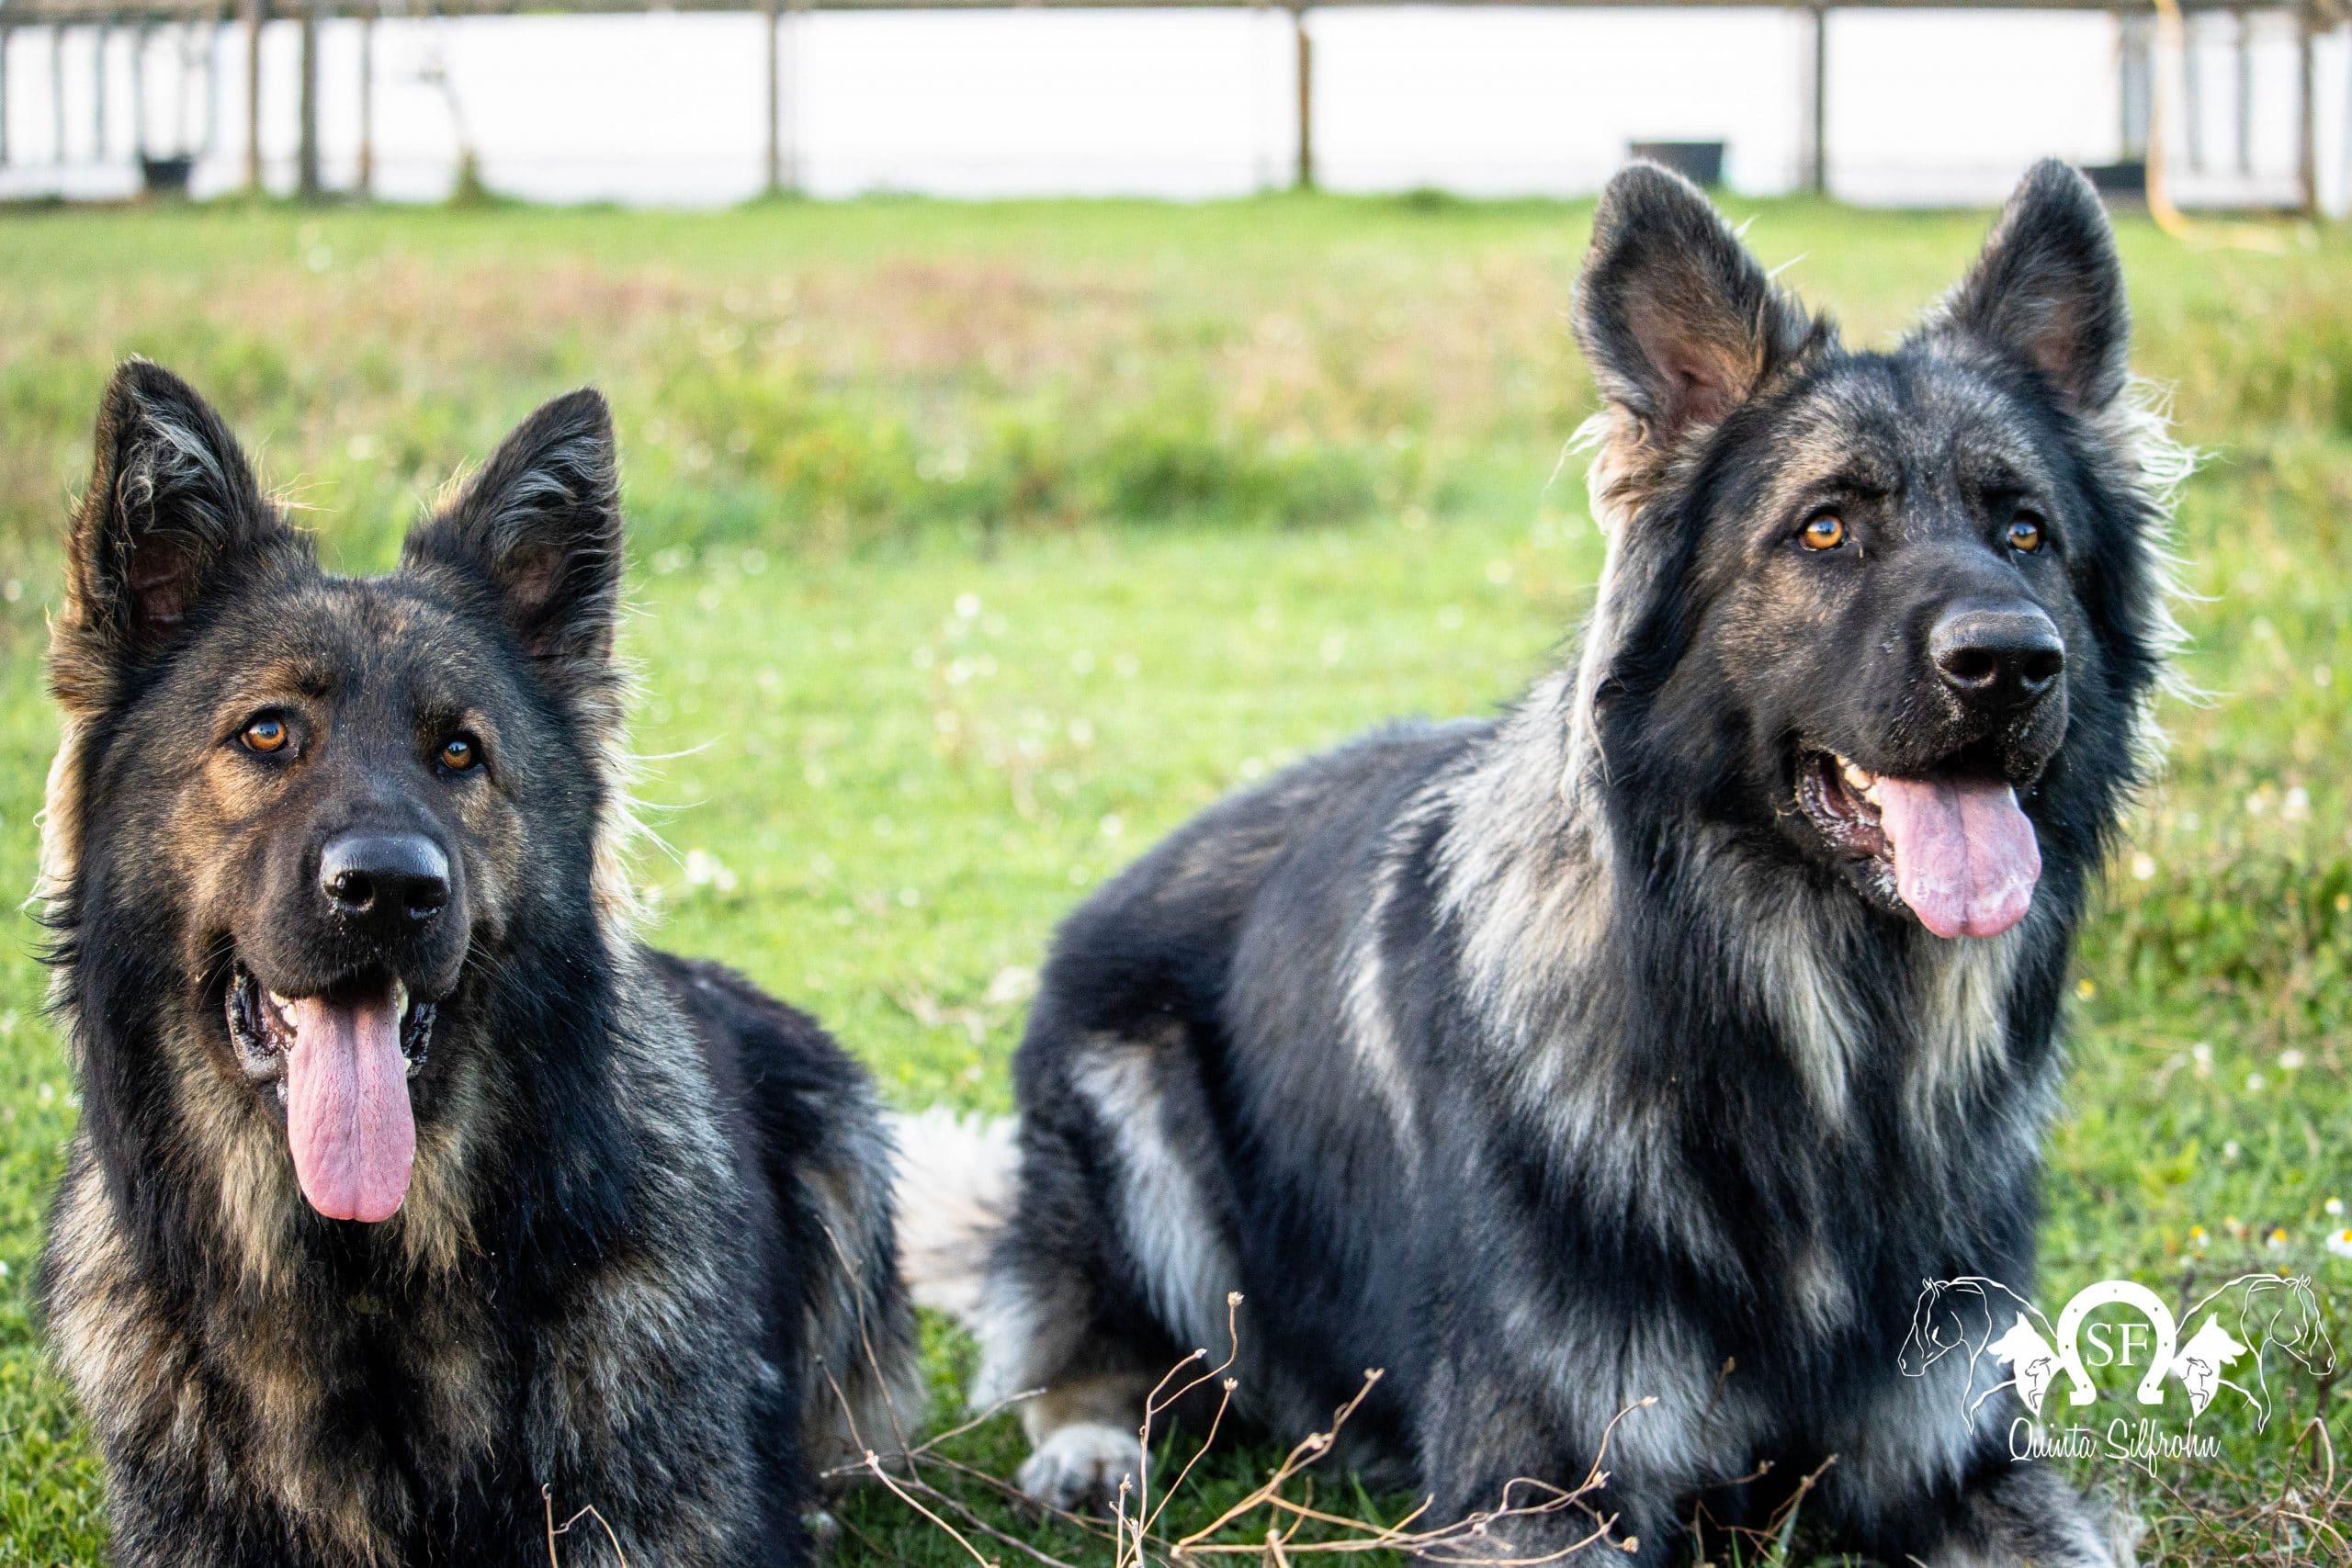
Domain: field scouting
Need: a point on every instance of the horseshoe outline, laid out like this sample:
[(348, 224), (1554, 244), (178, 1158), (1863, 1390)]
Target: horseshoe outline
[(2110, 1292)]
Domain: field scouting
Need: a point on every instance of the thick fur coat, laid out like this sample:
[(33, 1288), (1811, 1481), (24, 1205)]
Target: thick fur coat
[(1604, 1058), (641, 1261)]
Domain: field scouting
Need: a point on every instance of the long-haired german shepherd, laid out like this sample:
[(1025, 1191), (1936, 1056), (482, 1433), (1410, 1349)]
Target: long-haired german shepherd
[(415, 1205), (1654, 1041)]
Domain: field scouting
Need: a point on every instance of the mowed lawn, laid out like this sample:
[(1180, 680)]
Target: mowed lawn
[(976, 547)]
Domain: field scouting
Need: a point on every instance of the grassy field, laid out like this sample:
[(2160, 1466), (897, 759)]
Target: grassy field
[(977, 546)]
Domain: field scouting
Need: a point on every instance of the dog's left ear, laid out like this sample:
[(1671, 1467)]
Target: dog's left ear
[(1677, 321), (172, 511), (2048, 290), (540, 527), (170, 515)]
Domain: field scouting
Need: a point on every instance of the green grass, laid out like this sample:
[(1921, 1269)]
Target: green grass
[(979, 545)]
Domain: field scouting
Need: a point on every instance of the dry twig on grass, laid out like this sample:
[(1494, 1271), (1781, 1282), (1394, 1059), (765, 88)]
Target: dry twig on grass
[(2303, 1517), (1133, 1533)]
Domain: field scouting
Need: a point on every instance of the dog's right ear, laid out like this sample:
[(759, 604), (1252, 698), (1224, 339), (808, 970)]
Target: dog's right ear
[(1677, 321), (540, 527), (172, 506), (2048, 290)]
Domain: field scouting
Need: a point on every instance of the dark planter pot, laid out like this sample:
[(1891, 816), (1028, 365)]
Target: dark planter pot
[(165, 176), (1701, 162), (2126, 181)]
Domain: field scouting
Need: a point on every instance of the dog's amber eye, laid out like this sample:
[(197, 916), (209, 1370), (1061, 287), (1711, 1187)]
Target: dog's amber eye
[(460, 753), (1826, 531), (2025, 533), (263, 735)]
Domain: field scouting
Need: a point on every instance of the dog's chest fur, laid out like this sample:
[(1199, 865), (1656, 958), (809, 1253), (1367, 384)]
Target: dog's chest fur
[(284, 1393), (370, 1390), (1710, 1061)]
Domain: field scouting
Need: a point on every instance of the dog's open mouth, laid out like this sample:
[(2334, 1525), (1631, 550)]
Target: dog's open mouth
[(340, 1061), (1958, 850)]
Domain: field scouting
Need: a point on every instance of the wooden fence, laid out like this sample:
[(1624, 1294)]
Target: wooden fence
[(2310, 19)]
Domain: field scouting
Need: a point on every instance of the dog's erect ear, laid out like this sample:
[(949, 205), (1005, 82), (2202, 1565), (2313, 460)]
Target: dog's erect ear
[(172, 506), (1679, 324), (540, 527), (2049, 289)]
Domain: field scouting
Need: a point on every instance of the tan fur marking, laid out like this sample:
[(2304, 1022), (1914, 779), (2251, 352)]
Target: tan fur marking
[(104, 1325), (1109, 1401), (1965, 1009)]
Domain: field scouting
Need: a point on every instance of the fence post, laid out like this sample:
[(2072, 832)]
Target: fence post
[(1305, 180), (2136, 72), (5, 31), (57, 88), (2307, 107), (306, 152), (257, 12), (2244, 105), (98, 93), (138, 90), (365, 182), (1813, 134), (773, 11)]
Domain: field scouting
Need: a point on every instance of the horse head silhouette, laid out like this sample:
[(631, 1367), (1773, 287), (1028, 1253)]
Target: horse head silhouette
[(2257, 1312), (1937, 1328), (1962, 1315)]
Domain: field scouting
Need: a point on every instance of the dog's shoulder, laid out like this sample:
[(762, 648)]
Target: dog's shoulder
[(106, 1316), (819, 1159)]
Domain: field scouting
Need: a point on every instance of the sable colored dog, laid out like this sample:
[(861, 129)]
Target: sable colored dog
[(414, 1200), (1657, 1039)]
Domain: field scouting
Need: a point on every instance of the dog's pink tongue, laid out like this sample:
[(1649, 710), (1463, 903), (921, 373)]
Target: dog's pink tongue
[(346, 1106), (1965, 858)]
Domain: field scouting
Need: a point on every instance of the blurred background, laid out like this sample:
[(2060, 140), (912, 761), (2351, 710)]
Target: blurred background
[(1017, 458), (640, 102)]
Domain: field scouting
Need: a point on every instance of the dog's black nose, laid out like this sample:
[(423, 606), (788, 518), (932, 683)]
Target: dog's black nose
[(395, 879), (2004, 658)]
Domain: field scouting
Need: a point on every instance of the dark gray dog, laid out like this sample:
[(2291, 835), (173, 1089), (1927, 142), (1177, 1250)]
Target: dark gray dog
[(1690, 1014)]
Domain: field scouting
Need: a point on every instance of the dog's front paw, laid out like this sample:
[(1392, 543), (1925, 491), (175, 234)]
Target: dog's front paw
[(1078, 1468)]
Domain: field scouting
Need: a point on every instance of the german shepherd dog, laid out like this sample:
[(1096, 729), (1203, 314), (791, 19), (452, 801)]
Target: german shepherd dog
[(1654, 1041), (415, 1206)]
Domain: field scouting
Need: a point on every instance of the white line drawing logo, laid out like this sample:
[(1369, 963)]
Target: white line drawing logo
[(2032, 1362), (2235, 1329)]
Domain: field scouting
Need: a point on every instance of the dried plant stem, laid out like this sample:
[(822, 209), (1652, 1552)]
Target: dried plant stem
[(1133, 1531)]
